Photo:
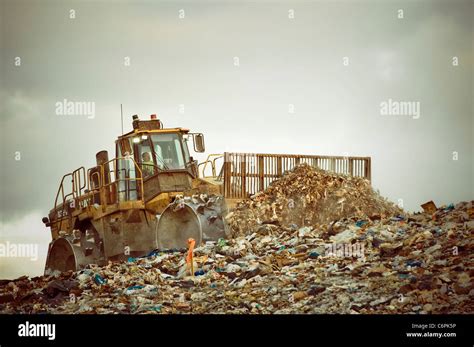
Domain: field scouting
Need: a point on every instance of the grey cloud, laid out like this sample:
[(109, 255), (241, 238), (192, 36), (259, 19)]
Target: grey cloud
[(243, 108)]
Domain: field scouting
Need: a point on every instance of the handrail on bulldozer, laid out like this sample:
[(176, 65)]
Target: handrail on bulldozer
[(138, 178), (79, 181), (90, 179), (76, 185), (92, 188), (213, 164), (76, 188), (61, 190)]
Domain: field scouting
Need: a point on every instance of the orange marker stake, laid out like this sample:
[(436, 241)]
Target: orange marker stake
[(189, 257)]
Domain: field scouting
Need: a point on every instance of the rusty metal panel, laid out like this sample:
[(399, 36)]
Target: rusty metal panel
[(248, 173)]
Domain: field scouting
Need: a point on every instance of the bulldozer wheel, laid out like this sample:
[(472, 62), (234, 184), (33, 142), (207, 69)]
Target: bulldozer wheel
[(176, 227), (65, 255), (61, 256)]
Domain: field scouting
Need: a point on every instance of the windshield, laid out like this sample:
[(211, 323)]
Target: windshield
[(169, 151)]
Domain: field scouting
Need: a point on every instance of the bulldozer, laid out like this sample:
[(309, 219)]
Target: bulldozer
[(153, 195)]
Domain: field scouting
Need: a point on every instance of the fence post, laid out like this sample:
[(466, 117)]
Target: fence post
[(279, 167), (261, 173), (227, 174), (368, 172), (243, 175)]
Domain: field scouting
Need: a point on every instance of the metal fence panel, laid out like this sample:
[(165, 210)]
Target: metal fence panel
[(248, 173)]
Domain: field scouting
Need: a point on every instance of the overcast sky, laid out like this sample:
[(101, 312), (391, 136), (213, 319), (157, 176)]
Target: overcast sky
[(238, 69)]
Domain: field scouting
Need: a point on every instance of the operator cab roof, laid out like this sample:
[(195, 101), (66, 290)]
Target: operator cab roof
[(154, 126)]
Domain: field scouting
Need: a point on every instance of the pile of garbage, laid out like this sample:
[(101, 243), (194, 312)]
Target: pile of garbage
[(419, 264), (309, 196), (313, 242)]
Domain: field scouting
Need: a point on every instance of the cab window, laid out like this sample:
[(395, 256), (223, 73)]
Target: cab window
[(168, 150)]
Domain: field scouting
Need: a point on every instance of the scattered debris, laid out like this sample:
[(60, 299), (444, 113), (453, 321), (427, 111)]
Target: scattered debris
[(429, 207), (313, 242)]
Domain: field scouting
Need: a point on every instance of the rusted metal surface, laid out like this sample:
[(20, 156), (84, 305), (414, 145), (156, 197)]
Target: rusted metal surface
[(103, 188), (248, 173)]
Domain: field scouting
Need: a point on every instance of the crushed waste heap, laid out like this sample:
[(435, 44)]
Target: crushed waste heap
[(309, 196), (313, 242)]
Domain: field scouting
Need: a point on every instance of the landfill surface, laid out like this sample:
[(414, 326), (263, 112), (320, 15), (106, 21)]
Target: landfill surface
[(312, 242)]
